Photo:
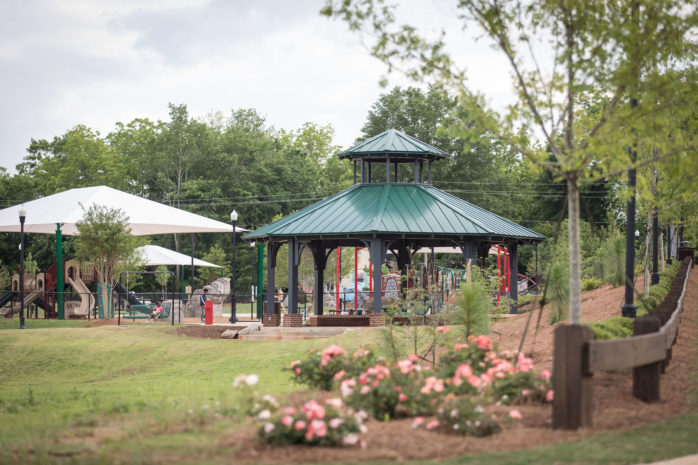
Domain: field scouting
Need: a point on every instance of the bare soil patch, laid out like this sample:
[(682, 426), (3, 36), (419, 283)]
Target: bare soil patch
[(614, 406)]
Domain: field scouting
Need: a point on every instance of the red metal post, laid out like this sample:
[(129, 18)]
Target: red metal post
[(499, 275), (356, 276)]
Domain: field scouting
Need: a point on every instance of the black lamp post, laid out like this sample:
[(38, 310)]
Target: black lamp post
[(233, 310), (22, 217)]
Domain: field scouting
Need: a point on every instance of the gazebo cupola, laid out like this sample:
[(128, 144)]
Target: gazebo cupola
[(392, 149)]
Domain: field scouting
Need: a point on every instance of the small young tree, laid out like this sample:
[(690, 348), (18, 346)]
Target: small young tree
[(105, 240)]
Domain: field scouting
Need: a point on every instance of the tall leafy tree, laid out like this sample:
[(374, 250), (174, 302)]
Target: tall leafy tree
[(611, 47)]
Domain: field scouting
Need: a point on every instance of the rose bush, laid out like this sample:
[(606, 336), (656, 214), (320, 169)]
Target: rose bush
[(321, 370), (313, 423)]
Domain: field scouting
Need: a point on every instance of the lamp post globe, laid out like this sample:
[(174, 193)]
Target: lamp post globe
[(233, 309), (22, 217)]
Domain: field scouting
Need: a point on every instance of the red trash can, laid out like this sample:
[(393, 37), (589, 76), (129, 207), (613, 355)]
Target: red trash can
[(209, 312)]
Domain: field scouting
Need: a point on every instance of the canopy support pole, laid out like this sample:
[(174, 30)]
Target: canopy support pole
[(59, 272), (193, 242)]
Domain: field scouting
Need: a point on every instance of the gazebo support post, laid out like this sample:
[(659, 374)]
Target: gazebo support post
[(293, 318), (320, 261), (514, 273), (293, 275), (362, 171), (377, 253), (271, 268)]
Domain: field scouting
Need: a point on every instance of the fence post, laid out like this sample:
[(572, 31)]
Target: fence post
[(572, 405), (646, 377)]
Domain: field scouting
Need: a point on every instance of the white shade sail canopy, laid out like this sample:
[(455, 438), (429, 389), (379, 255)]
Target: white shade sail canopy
[(156, 255), (146, 217)]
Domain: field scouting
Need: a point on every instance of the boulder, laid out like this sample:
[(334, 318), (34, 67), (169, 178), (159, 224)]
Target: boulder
[(230, 334), (249, 329)]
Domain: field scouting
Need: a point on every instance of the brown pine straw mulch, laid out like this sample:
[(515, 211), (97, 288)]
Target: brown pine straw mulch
[(614, 406)]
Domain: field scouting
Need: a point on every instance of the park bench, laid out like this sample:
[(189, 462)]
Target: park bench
[(143, 311)]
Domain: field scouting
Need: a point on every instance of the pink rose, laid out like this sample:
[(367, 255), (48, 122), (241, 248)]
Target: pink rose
[(402, 397), (515, 414), (545, 375), (443, 329), (335, 402), (287, 420), (339, 375), (300, 424), (365, 390), (269, 427), (417, 422), (432, 424), (525, 392), (550, 396), (350, 439), (297, 371), (336, 423)]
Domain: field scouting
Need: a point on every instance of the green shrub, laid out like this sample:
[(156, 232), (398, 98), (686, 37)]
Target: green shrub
[(591, 283), (472, 309), (613, 328), (321, 370)]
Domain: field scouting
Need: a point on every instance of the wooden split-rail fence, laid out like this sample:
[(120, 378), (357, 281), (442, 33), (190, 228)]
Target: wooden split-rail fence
[(577, 356)]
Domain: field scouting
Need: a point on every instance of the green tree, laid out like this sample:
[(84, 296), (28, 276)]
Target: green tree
[(105, 240), (609, 51), (215, 255)]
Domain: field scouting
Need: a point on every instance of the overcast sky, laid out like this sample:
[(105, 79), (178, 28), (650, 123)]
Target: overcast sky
[(69, 62)]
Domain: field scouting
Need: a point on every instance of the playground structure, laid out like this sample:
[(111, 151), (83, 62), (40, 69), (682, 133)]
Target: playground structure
[(218, 292)]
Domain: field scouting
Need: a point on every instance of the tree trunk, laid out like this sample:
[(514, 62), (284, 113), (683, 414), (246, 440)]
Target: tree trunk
[(661, 251), (575, 268), (105, 299)]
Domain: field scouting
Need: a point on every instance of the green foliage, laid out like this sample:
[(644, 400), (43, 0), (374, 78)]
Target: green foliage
[(465, 417), (30, 265), (591, 283), (105, 240), (5, 278), (323, 370), (613, 328), (472, 309), (557, 293), (215, 255)]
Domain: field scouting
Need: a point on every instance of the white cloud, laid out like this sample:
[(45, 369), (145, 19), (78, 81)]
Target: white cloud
[(80, 62)]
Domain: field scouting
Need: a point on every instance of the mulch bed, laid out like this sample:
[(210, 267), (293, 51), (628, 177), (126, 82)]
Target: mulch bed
[(614, 406)]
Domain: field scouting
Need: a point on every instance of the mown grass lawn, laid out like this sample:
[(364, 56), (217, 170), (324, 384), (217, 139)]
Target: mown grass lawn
[(151, 396)]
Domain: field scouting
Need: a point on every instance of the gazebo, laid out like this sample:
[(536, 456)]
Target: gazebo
[(385, 215)]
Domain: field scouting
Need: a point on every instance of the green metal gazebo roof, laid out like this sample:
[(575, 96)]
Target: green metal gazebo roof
[(405, 209), (396, 144)]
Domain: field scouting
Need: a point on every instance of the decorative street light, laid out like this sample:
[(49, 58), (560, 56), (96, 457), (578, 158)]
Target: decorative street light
[(22, 217), (254, 283), (233, 310)]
